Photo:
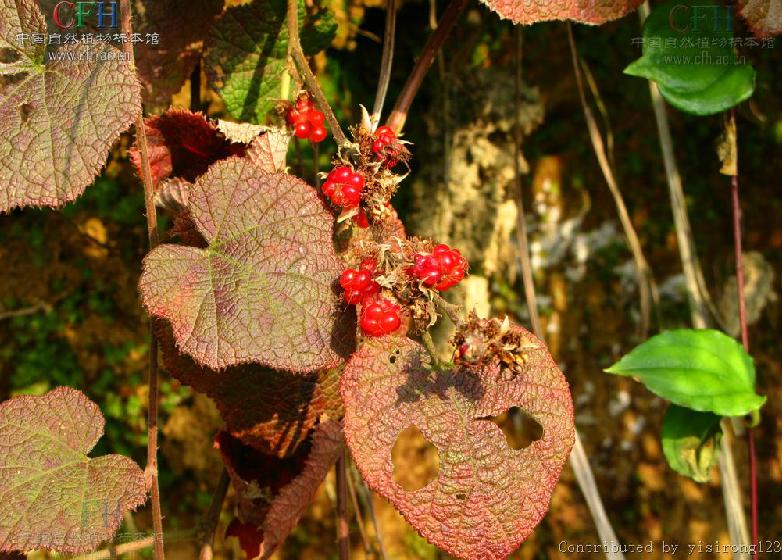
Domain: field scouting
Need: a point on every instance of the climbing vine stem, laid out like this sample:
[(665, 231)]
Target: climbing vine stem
[(152, 235)]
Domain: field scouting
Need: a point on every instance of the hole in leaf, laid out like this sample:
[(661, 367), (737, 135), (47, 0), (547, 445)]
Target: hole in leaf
[(9, 56), (25, 110), (416, 460), (520, 429)]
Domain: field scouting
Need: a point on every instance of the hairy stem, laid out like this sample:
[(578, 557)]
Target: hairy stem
[(399, 115), (738, 252), (699, 304), (578, 459), (296, 52), (642, 270), (343, 534), (212, 518), (152, 235), (385, 61)]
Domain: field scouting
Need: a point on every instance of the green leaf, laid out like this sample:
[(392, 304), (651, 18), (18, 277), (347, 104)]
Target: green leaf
[(54, 496), (691, 441), (248, 49), (687, 51), (705, 370)]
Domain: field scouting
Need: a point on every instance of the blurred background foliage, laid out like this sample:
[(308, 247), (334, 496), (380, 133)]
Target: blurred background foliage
[(69, 311)]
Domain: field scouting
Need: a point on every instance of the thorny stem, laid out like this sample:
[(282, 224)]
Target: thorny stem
[(343, 535), (578, 458), (399, 115), (643, 273), (296, 52), (209, 525), (385, 61), (737, 243), (152, 235)]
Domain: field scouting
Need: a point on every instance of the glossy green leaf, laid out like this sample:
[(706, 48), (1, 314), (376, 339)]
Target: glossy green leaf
[(691, 441), (704, 370), (687, 51), (248, 50)]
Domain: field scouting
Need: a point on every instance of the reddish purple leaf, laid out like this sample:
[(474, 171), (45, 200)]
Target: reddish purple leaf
[(269, 505), (584, 11), (60, 117), (764, 17), (183, 145), (488, 497), (270, 411), (264, 289), (53, 495)]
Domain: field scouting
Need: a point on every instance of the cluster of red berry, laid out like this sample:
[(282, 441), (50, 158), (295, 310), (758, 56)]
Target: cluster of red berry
[(343, 186), (383, 146), (441, 269), (307, 121), (379, 316)]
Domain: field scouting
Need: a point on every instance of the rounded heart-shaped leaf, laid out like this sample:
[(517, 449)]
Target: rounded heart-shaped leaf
[(53, 495), (263, 290), (60, 111), (584, 11), (488, 496)]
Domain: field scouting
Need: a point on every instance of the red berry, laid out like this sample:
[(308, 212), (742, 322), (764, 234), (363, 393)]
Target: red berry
[(343, 186), (358, 285), (304, 103), (379, 316), (316, 118), (318, 133), (293, 116), (361, 218), (385, 132), (303, 129), (369, 264), (442, 269)]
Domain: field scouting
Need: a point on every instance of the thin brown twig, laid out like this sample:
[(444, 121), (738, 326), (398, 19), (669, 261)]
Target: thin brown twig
[(343, 531), (297, 53), (24, 311), (643, 272), (386, 60), (366, 496), (114, 551), (399, 115), (359, 517), (578, 458), (212, 518), (152, 235), (737, 245)]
